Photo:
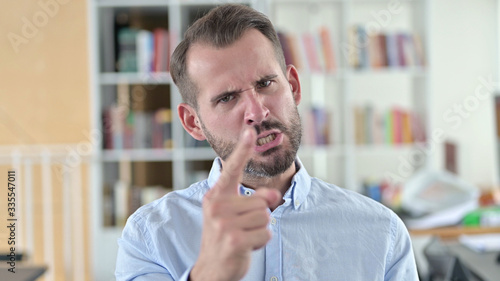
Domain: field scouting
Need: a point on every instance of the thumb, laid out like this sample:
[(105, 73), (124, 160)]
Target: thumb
[(272, 196)]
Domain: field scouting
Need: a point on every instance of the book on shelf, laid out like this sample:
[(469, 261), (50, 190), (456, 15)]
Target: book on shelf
[(108, 205), (364, 44), (286, 48), (131, 129), (317, 126), (352, 49), (392, 50), (127, 50), (383, 191), (450, 157), (309, 51), (327, 48), (375, 51), (312, 55), (141, 41), (161, 58), (294, 49), (162, 131), (120, 198), (143, 50), (393, 126)]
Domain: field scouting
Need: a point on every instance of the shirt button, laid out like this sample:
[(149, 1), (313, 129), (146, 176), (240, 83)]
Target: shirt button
[(273, 221), (248, 193), (274, 278), (297, 203)]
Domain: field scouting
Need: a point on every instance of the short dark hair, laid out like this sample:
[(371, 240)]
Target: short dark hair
[(220, 27)]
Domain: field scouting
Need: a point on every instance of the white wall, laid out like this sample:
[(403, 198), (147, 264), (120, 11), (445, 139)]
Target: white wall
[(464, 49)]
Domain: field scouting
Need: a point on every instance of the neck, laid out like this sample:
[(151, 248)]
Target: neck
[(280, 182)]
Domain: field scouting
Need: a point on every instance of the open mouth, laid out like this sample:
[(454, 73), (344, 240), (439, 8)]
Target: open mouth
[(266, 139)]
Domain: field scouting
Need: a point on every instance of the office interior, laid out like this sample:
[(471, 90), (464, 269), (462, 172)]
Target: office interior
[(398, 96)]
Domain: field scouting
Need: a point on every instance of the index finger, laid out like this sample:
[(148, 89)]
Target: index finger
[(232, 167)]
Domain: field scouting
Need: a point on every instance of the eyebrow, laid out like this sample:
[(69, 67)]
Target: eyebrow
[(228, 93)]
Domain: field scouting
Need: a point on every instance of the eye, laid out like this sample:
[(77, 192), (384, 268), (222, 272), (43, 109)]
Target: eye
[(264, 84), (226, 99)]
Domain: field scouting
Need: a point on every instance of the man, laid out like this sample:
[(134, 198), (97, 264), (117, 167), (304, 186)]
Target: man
[(259, 215)]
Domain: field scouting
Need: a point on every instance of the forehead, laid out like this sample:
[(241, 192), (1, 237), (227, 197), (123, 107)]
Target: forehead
[(218, 69)]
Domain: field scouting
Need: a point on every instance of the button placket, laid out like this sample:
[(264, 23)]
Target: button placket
[(274, 258)]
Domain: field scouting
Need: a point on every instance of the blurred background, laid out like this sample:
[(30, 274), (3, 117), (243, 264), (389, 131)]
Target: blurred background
[(398, 97)]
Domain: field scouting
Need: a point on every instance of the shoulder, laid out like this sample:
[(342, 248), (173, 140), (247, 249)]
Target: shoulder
[(353, 205), (345, 197), (170, 205)]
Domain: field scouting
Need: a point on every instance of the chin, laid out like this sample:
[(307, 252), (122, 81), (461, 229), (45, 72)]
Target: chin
[(274, 164)]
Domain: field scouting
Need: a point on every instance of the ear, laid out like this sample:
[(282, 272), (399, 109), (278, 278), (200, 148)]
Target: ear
[(190, 121), (292, 76)]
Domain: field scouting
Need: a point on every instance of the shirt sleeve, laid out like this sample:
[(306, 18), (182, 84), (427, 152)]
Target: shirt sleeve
[(401, 263), (135, 261)]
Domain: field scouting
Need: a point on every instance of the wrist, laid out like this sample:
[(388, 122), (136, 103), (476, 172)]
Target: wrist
[(199, 273)]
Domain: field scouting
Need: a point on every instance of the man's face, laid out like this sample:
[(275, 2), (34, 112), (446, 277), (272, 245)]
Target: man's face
[(243, 85)]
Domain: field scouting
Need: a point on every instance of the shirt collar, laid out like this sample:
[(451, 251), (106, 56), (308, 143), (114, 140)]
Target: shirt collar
[(295, 195)]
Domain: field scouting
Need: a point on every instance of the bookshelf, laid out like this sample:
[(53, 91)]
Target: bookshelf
[(144, 151), (378, 87), (127, 162)]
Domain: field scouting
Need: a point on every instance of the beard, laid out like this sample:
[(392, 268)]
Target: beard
[(282, 158)]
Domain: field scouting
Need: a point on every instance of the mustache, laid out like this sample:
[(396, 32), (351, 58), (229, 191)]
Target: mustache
[(268, 125)]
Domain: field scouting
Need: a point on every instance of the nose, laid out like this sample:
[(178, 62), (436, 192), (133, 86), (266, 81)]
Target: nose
[(255, 110)]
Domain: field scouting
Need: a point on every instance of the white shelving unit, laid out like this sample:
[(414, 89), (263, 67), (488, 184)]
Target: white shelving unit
[(175, 15), (344, 162)]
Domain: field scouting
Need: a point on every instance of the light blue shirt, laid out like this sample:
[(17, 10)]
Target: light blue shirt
[(320, 232)]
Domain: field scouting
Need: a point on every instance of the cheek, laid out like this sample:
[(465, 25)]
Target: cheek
[(222, 125), (282, 107)]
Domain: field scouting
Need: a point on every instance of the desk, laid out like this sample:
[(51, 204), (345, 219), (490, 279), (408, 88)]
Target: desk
[(449, 235), (483, 265), (24, 272), (452, 232)]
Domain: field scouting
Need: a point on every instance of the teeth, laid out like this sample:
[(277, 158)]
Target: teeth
[(265, 140)]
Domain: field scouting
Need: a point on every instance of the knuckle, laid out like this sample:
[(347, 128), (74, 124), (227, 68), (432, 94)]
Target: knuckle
[(235, 239), (259, 203), (222, 225), (213, 209), (264, 237), (261, 215), (265, 215), (268, 235)]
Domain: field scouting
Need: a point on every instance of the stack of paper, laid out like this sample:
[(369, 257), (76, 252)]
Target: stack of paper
[(481, 242)]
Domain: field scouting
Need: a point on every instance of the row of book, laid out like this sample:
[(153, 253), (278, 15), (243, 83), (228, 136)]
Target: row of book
[(122, 200), (315, 51), (394, 126), (393, 50), (127, 129), (317, 125), (383, 192), (142, 50), (309, 51)]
